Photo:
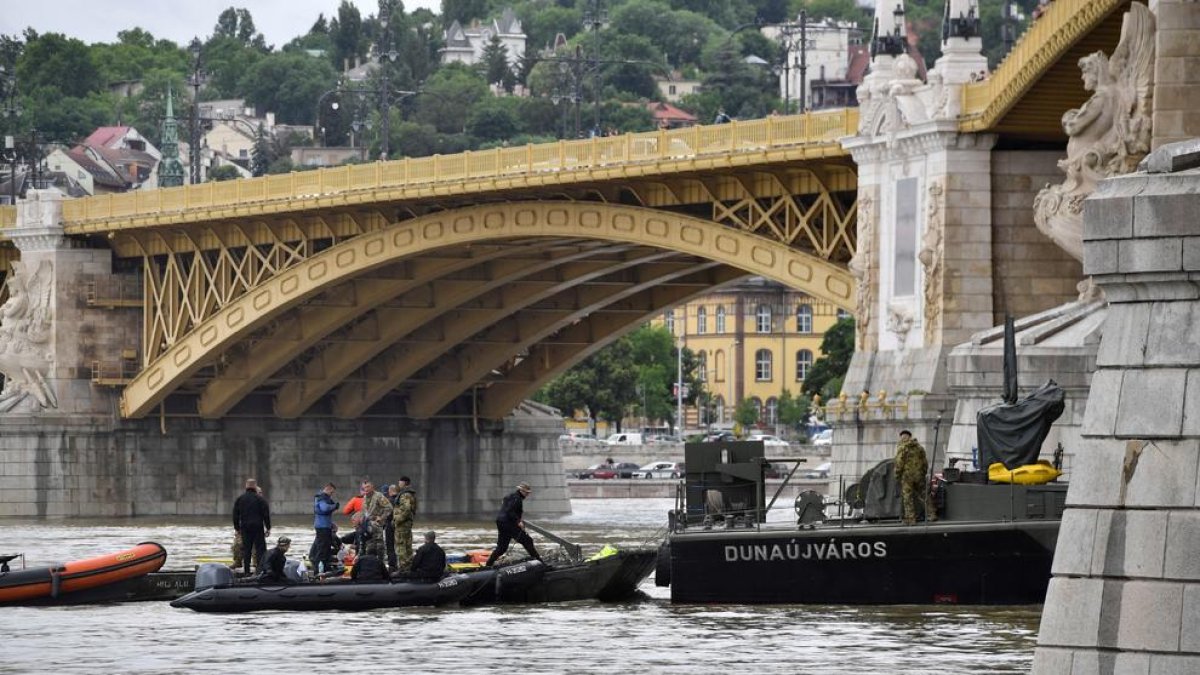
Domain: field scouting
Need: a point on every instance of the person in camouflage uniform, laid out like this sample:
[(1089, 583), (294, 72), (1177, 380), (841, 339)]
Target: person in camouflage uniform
[(911, 467), (402, 521), (377, 510)]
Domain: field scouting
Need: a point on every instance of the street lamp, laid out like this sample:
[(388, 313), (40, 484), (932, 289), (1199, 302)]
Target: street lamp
[(386, 52), (11, 111), (195, 79), (594, 18)]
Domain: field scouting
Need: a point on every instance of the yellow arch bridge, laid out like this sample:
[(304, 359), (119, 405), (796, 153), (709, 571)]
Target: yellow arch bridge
[(411, 286)]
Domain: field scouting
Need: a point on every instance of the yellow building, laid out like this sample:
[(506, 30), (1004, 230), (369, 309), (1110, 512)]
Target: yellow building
[(753, 340)]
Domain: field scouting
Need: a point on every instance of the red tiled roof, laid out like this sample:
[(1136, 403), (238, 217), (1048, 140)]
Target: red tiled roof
[(99, 173), (105, 135), (860, 60), (668, 112)]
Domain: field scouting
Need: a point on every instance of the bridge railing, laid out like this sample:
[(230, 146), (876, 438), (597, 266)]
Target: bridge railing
[(564, 156), (1061, 25)]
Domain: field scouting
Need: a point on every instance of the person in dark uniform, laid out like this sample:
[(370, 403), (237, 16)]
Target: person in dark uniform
[(368, 567), (428, 563), (273, 566), (510, 525), (252, 518)]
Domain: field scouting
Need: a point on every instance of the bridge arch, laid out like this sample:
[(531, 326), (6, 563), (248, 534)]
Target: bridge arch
[(350, 261)]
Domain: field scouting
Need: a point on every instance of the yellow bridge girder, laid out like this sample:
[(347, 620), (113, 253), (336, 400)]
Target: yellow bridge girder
[(499, 283)]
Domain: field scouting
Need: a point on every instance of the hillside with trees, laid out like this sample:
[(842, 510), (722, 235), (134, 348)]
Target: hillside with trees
[(67, 88)]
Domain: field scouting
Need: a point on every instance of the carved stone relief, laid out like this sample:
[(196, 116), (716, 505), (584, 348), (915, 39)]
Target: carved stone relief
[(930, 256), (26, 320), (900, 321), (1108, 135), (861, 267)]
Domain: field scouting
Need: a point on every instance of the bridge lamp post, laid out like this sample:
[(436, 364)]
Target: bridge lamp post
[(11, 112), (387, 53), (195, 79)]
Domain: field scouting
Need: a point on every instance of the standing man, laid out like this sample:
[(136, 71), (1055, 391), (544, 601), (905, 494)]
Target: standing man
[(510, 525), (402, 521), (911, 467), (375, 514), (252, 518), (323, 508)]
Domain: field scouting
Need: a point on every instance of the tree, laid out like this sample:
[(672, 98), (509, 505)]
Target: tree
[(495, 63), (463, 11), (793, 410), (656, 356), (837, 347), (260, 158), (448, 97), (346, 31), (224, 172), (239, 25), (604, 384), (494, 119), (746, 413), (288, 83)]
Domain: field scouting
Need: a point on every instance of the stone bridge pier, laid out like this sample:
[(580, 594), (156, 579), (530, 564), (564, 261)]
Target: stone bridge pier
[(66, 451)]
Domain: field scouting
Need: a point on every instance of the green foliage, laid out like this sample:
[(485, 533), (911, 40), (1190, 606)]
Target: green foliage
[(55, 66), (135, 54), (680, 35), (237, 24), (837, 347), (346, 34), (463, 11), (224, 172), (793, 410), (448, 97), (604, 384), (281, 165), (543, 20), (260, 158), (288, 83), (494, 119), (224, 60), (495, 63), (746, 413)]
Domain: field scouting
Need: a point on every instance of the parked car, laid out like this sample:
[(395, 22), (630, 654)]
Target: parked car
[(626, 470), (769, 440), (578, 437), (778, 470), (661, 470), (819, 471), (720, 436), (823, 438), (625, 438), (662, 439), (590, 472)]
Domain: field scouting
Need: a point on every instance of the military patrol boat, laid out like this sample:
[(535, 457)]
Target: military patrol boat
[(992, 544)]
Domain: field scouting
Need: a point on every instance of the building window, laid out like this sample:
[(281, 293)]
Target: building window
[(669, 317), (719, 365), (720, 319), (701, 321), (803, 363), (719, 403), (842, 314), (772, 411), (243, 153), (671, 89), (762, 317), (804, 319), (762, 365), (702, 368)]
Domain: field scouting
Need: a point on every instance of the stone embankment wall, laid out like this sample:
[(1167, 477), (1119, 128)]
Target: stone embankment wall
[(79, 466)]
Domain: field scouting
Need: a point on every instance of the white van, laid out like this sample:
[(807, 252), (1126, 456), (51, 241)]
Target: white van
[(625, 439)]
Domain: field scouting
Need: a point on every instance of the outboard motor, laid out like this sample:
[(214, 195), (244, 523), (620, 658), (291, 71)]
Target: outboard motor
[(209, 575)]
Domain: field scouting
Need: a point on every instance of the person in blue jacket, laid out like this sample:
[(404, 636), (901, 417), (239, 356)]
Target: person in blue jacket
[(323, 508)]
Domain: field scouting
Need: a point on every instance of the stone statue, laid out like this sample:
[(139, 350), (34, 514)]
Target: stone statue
[(26, 320), (1108, 135), (860, 266), (930, 256)]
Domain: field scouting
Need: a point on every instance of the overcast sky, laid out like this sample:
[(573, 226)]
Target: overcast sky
[(176, 20)]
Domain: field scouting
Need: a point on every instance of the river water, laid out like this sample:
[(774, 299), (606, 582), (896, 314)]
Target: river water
[(645, 635)]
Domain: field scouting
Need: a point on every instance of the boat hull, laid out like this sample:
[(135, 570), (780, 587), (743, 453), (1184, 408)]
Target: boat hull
[(962, 563), (347, 595), (108, 578), (612, 578)]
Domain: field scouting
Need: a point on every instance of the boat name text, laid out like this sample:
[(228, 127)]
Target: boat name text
[(831, 550)]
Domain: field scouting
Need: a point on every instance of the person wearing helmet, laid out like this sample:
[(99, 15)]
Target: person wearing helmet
[(510, 525), (273, 566)]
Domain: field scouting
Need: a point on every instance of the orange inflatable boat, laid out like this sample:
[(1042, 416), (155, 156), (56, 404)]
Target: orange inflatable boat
[(93, 580)]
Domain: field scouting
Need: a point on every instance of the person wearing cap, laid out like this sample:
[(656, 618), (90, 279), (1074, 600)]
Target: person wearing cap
[(510, 525), (376, 511), (273, 566), (429, 562), (252, 519), (402, 522)]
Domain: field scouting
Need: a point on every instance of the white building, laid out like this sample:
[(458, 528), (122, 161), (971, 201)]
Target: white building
[(826, 55), (466, 45)]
